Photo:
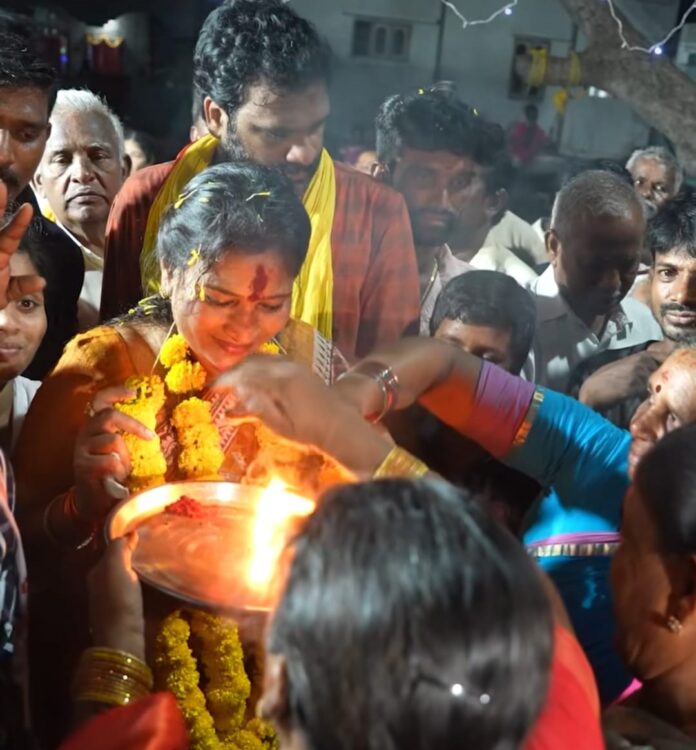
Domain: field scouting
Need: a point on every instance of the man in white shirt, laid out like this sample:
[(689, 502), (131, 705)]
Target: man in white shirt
[(441, 155), (595, 241)]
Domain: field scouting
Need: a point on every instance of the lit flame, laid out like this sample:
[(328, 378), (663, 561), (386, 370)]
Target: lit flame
[(274, 511)]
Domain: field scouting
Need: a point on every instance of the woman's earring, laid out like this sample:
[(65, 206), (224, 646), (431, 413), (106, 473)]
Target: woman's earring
[(674, 625)]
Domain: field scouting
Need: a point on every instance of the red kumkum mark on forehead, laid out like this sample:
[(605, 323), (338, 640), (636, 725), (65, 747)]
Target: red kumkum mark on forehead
[(258, 284)]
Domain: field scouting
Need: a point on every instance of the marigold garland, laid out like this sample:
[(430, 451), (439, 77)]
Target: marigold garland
[(185, 377), (200, 454), (197, 434), (214, 713), (270, 347), (174, 350)]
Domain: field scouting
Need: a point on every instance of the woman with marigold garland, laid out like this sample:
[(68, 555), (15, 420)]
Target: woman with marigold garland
[(230, 248)]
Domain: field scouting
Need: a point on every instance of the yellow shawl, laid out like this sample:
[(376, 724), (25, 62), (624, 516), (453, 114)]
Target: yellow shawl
[(312, 294)]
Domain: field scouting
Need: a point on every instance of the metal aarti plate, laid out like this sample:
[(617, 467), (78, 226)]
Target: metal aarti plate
[(200, 561)]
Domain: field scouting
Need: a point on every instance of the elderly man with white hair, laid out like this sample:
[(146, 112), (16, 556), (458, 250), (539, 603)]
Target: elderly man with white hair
[(82, 169), (657, 176)]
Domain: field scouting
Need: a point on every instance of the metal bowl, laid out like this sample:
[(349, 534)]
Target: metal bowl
[(202, 562)]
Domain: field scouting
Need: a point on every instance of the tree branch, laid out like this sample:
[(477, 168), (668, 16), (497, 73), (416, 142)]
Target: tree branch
[(653, 87)]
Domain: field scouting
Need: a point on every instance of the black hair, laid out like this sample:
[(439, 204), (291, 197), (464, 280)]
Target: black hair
[(489, 298), (196, 106), (411, 620), (22, 67), (674, 226), (244, 42), (435, 119), (146, 142), (531, 110), (670, 495), (244, 206)]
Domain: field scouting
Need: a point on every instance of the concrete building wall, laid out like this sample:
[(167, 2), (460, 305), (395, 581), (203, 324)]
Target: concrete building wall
[(479, 60)]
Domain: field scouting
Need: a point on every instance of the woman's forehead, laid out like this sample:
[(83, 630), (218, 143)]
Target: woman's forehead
[(676, 380)]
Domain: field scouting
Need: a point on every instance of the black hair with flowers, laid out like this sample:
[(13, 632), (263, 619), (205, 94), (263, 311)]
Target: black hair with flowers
[(242, 207)]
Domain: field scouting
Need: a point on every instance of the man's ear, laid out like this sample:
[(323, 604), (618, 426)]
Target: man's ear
[(496, 205), (37, 181), (553, 246), (215, 117), (381, 172), (126, 166)]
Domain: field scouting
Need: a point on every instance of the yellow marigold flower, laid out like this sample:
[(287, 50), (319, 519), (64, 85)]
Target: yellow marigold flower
[(140, 411), (270, 347), (146, 456), (265, 732), (193, 411), (214, 716), (245, 740), (202, 436), (148, 388), (149, 399), (197, 461), (136, 485), (173, 351), (185, 377)]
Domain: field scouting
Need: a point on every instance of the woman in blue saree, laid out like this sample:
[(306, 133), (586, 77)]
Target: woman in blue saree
[(581, 459)]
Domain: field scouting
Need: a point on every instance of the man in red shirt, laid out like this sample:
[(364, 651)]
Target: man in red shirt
[(262, 72), (527, 139)]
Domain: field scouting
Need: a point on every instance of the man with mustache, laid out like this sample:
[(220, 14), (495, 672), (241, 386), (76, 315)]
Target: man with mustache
[(441, 156), (82, 169), (595, 240), (262, 73), (27, 94), (617, 389)]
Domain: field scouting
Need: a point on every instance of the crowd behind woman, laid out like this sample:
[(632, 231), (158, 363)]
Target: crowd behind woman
[(414, 612)]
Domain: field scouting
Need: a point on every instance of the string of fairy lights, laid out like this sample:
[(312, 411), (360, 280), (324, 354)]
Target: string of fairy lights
[(656, 49), (653, 49)]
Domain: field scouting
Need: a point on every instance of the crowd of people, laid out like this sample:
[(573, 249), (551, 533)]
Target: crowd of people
[(514, 562)]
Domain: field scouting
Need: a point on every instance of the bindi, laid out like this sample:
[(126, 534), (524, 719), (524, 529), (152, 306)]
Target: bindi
[(258, 283)]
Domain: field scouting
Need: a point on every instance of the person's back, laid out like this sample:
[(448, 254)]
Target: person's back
[(359, 285)]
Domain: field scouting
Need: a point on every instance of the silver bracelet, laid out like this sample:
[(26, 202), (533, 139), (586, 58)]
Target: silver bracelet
[(387, 381)]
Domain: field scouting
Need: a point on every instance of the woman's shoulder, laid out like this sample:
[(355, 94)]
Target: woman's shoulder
[(90, 346), (109, 348)]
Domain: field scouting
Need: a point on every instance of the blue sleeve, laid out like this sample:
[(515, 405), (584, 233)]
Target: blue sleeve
[(577, 452)]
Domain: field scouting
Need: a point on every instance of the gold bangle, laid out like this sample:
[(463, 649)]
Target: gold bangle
[(110, 676), (400, 463), (68, 510)]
